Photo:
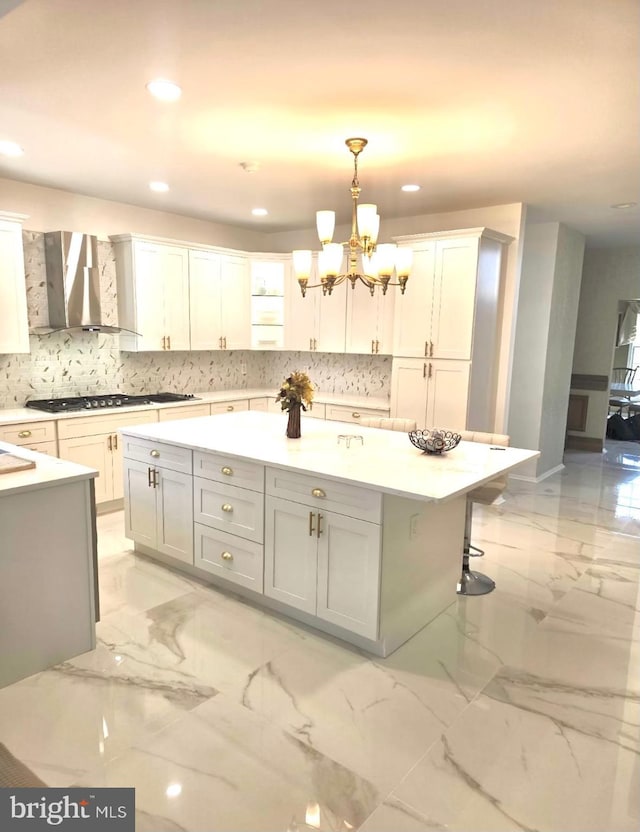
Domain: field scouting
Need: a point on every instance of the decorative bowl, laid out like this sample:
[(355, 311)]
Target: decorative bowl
[(434, 441)]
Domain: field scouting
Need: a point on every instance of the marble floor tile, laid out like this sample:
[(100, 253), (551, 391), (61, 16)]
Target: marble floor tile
[(111, 539), (222, 767)]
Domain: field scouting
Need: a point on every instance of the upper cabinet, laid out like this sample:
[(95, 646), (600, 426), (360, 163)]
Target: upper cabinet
[(317, 322), (153, 294), (219, 300), (369, 320), (14, 327), (453, 290), (269, 275)]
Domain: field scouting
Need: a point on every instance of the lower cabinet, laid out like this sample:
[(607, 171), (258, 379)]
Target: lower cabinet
[(344, 413), (101, 452), (433, 392), (323, 563), (159, 509), (228, 556)]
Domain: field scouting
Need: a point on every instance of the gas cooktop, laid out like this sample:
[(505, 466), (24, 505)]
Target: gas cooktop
[(104, 401)]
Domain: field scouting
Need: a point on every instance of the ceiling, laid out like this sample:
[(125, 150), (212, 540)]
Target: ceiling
[(481, 102)]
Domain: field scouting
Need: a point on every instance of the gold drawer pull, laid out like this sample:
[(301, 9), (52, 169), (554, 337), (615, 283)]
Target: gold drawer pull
[(230, 407), (318, 492), (227, 556), (24, 433), (356, 415), (227, 507), (155, 454), (227, 471)]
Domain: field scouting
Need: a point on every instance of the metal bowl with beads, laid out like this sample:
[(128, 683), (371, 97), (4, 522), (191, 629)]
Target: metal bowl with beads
[(434, 441)]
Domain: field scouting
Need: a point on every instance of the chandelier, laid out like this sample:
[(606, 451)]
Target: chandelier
[(367, 261)]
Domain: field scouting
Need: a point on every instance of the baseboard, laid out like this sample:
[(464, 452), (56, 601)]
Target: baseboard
[(544, 476), (583, 443)]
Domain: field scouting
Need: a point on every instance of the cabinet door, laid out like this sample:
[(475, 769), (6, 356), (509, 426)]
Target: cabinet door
[(94, 452), (448, 394), (176, 297), (117, 466), (454, 292), (139, 503), (204, 300), (331, 316), (235, 302), (386, 308), (412, 315), (14, 330), (148, 277), (409, 390), (300, 317), (174, 518), (362, 319), (290, 554), (349, 573)]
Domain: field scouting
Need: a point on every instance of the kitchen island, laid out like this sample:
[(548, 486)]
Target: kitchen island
[(48, 591), (360, 537)]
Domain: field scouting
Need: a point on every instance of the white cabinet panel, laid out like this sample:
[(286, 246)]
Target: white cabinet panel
[(228, 556), (317, 322), (191, 411), (26, 433), (454, 294), (413, 310), (369, 320), (434, 393), (94, 452), (205, 302), (174, 514), (14, 329), (229, 508), (229, 407), (236, 302), (290, 554), (140, 503)]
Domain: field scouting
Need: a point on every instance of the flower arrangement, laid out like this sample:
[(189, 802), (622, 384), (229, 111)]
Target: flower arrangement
[(296, 389)]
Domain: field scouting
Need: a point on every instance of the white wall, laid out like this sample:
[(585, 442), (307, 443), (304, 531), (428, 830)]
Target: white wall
[(545, 331), (50, 209), (609, 275)]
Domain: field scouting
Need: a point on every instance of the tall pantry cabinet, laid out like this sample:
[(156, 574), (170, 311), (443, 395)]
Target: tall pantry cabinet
[(14, 330), (446, 343)]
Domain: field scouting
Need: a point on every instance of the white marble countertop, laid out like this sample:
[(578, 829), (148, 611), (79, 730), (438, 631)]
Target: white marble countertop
[(27, 414), (48, 471), (385, 461)]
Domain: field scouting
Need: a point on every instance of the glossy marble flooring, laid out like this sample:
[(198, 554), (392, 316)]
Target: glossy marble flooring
[(519, 710)]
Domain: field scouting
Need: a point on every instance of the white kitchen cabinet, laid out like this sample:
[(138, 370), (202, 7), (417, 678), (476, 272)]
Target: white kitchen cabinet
[(323, 563), (153, 294), (231, 406), (94, 441), (219, 300), (369, 326), (159, 509), (434, 393), (189, 411), (344, 413), (35, 435), (317, 322), (14, 328)]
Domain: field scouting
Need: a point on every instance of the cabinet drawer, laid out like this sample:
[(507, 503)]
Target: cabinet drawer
[(316, 411), (169, 414), (229, 471), (228, 556), (259, 404), (229, 508), (342, 413), (229, 407), (107, 423), (26, 433), (157, 454), (340, 497), (49, 448)]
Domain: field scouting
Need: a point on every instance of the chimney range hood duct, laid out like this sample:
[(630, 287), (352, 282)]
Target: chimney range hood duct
[(73, 283)]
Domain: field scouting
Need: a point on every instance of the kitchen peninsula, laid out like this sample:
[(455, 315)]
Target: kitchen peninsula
[(48, 588), (361, 538)]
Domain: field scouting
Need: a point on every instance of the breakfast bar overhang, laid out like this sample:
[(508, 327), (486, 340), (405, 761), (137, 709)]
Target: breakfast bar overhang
[(362, 539)]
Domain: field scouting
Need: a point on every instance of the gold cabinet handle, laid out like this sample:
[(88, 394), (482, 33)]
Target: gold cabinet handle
[(426, 349), (156, 478), (226, 556), (24, 434), (168, 342), (430, 370), (315, 343), (226, 470), (227, 507), (377, 347), (424, 370), (230, 407), (431, 349), (164, 342), (320, 516), (115, 441), (355, 415), (373, 345), (310, 343), (155, 454), (110, 442), (311, 529), (318, 492), (149, 476)]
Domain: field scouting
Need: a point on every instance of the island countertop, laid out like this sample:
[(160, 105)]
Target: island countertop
[(48, 471), (384, 461)]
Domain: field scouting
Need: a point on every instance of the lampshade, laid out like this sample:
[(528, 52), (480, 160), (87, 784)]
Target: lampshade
[(334, 253), (302, 263), (386, 259), (367, 213), (375, 230), (325, 223), (404, 261)]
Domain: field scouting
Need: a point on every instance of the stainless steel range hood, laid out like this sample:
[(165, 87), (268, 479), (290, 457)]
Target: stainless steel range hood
[(73, 283)]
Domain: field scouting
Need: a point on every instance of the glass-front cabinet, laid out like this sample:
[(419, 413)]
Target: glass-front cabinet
[(267, 302)]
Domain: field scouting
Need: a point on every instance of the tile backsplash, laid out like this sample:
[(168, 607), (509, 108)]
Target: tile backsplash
[(81, 363)]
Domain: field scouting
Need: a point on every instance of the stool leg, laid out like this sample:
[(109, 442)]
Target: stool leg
[(472, 583)]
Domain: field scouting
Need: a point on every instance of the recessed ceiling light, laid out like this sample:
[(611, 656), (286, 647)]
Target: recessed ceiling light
[(164, 90), (259, 212), (410, 188), (10, 149), (160, 187), (622, 205), (173, 789)]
